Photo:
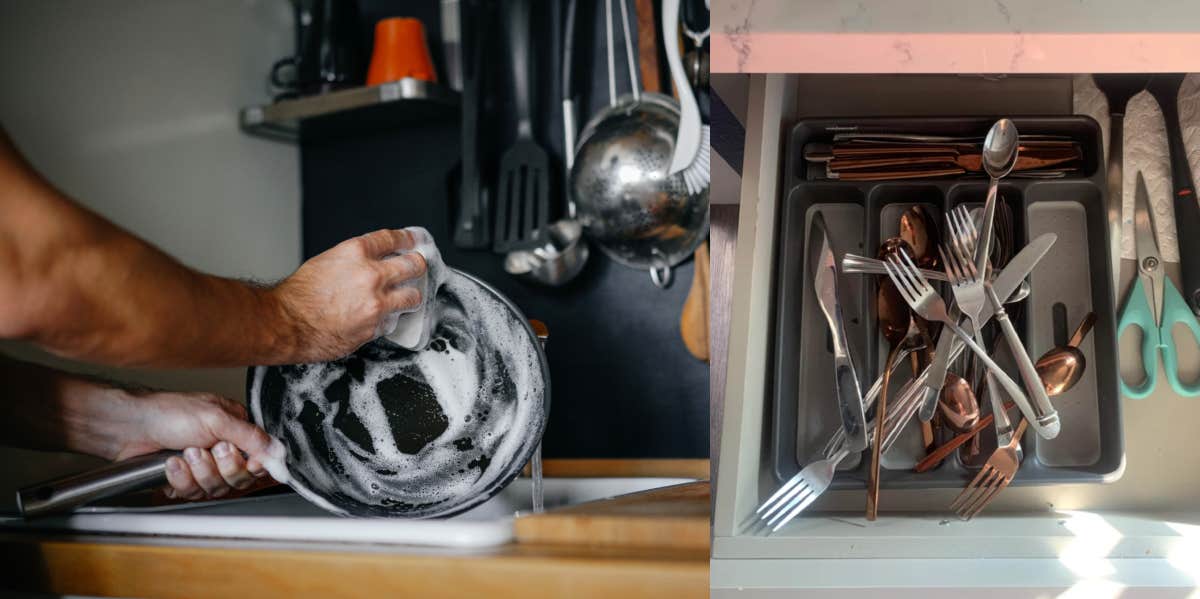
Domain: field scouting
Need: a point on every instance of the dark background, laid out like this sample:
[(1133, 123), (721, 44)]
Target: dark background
[(622, 383)]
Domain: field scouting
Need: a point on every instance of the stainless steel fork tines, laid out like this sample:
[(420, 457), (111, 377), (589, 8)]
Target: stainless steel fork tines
[(925, 301), (814, 479), (969, 293), (971, 286)]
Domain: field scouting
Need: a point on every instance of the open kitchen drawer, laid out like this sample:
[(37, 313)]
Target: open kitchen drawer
[(1140, 531)]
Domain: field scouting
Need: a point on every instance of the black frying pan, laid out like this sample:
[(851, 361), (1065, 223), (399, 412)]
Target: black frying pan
[(385, 431)]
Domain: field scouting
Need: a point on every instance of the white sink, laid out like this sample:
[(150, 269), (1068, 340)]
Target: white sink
[(287, 517)]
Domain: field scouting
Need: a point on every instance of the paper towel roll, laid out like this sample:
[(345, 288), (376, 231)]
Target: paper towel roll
[(1146, 150)]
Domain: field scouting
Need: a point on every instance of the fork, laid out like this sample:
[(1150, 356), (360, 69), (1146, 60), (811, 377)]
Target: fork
[(970, 285), (814, 479), (967, 286), (995, 475), (924, 300)]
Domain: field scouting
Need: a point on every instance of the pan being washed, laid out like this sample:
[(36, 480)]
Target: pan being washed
[(387, 432)]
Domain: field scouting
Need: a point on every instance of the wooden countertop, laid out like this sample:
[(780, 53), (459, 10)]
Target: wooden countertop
[(583, 554)]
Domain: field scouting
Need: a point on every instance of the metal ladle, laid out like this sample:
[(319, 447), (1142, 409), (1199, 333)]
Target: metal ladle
[(559, 259)]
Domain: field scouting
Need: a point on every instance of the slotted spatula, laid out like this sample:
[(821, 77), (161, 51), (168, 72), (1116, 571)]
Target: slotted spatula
[(523, 194)]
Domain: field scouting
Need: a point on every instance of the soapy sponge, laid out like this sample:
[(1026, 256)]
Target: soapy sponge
[(413, 328)]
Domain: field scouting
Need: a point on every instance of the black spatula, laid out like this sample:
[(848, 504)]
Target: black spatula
[(523, 194)]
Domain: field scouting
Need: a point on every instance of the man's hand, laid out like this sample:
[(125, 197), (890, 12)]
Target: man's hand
[(54, 410), (211, 430), (340, 298), (79, 286)]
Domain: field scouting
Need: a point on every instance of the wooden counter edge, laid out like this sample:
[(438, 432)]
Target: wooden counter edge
[(525, 571)]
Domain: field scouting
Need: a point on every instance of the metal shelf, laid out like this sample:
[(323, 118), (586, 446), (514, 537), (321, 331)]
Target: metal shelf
[(350, 111)]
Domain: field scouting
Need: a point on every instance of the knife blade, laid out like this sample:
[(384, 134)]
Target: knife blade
[(949, 345), (849, 394)]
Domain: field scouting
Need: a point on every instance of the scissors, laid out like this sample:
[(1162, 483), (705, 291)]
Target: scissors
[(1155, 306)]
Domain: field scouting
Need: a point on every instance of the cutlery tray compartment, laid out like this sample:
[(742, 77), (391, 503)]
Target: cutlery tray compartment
[(1073, 275)]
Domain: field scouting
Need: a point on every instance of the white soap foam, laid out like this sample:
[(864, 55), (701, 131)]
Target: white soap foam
[(480, 350)]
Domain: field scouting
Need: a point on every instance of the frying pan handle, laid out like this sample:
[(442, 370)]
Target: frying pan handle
[(62, 494)]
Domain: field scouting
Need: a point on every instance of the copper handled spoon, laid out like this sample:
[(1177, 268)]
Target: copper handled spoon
[(959, 406), (1060, 369), (919, 230), (896, 325)]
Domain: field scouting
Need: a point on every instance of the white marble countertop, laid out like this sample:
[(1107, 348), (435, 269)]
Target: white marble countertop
[(945, 36)]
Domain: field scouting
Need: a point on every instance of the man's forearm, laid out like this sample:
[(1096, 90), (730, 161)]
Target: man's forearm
[(81, 287), (53, 410)]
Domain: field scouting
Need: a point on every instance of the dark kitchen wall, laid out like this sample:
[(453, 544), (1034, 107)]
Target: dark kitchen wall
[(622, 383)]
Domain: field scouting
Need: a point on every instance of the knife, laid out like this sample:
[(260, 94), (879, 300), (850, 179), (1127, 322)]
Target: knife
[(845, 378), (1005, 283)]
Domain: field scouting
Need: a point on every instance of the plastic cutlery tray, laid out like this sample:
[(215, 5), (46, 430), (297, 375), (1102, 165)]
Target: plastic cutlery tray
[(1072, 279)]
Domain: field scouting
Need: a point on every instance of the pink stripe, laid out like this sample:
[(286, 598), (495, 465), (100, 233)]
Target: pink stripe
[(799, 52)]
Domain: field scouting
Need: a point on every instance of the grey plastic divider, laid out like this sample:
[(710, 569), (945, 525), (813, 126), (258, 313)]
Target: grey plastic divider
[(1064, 277), (803, 410), (815, 417)]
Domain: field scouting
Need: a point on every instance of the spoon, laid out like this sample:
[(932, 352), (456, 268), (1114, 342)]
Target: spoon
[(1061, 367), (999, 157), (918, 228), (1069, 365), (919, 231), (1000, 149), (959, 406), (897, 326), (893, 313)]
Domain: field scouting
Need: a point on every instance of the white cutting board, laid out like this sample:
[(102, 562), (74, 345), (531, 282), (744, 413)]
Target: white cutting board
[(288, 517)]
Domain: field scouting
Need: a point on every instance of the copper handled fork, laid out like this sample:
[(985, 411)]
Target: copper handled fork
[(995, 475)]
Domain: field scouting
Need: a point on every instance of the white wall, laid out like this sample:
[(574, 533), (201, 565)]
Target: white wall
[(131, 108)]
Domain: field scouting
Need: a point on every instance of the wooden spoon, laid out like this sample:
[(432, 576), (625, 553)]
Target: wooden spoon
[(693, 321)]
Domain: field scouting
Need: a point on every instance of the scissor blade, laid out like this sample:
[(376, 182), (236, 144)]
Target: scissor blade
[(1146, 241)]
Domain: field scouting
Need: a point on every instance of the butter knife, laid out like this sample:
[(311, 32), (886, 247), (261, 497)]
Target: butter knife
[(1017, 269), (850, 402)]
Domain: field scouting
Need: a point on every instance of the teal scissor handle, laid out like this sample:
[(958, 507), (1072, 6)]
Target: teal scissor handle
[(1137, 313), (1158, 338), (1176, 310)]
